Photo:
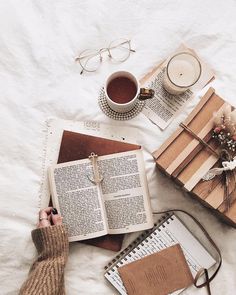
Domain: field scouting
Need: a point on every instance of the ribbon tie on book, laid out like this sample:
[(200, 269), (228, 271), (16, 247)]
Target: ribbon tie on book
[(226, 166), (227, 171)]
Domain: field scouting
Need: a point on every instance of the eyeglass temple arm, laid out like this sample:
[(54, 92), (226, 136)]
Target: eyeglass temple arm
[(128, 41), (86, 56), (130, 49)]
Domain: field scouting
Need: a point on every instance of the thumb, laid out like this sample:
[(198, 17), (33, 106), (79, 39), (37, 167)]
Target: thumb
[(56, 218)]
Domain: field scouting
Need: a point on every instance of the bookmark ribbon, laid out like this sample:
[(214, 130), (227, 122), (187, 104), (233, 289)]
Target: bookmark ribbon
[(96, 176)]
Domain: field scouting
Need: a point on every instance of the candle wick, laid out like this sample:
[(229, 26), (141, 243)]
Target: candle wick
[(181, 74)]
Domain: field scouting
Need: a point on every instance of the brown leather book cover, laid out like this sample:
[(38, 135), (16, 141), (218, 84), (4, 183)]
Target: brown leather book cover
[(77, 146), (157, 274)]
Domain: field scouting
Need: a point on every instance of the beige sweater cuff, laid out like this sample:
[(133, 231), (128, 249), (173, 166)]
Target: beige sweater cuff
[(47, 272), (51, 241)]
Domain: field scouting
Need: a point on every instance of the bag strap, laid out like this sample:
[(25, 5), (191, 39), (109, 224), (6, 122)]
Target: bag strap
[(207, 235)]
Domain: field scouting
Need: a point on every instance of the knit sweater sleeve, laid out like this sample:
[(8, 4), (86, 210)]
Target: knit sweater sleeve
[(46, 275)]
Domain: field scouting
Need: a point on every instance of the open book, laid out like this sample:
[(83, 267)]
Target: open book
[(103, 195)]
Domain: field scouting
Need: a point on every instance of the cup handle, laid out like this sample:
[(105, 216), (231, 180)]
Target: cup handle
[(146, 93)]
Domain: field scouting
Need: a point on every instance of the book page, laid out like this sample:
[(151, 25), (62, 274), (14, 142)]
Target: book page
[(164, 107), (78, 200), (125, 192)]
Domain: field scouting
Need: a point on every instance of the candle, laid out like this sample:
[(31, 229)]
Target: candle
[(183, 71)]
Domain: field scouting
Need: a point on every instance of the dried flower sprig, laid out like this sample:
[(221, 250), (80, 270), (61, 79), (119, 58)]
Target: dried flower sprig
[(225, 128)]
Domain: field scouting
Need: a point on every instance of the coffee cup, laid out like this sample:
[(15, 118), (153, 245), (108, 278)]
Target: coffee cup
[(122, 90)]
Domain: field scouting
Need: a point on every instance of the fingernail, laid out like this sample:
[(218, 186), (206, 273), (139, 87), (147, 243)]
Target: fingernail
[(54, 211)]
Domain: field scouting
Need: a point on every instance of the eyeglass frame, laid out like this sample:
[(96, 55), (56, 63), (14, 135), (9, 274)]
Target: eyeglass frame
[(99, 52)]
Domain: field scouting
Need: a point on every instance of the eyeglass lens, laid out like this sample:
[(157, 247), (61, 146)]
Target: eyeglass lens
[(119, 49)]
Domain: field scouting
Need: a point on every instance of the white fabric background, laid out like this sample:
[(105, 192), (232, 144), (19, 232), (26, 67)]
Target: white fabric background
[(39, 78)]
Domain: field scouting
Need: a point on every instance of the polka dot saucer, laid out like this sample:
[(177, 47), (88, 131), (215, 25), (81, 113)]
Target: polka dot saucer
[(115, 115)]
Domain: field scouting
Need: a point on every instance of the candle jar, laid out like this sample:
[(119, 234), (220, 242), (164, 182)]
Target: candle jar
[(182, 72)]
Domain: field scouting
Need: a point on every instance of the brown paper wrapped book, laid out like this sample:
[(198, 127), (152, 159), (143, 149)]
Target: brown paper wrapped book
[(191, 152)]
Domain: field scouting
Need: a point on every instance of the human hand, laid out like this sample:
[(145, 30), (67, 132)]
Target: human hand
[(49, 216)]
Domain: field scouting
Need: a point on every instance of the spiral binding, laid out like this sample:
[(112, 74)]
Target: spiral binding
[(140, 240)]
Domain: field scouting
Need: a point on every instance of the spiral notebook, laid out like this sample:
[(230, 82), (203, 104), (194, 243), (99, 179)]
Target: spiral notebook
[(169, 231)]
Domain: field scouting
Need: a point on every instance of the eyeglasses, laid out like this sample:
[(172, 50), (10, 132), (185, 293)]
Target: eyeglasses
[(119, 51)]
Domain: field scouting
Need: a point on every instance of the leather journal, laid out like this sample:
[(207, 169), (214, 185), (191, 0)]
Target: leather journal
[(77, 146)]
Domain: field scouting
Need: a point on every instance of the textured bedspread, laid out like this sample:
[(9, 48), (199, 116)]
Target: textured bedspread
[(39, 79)]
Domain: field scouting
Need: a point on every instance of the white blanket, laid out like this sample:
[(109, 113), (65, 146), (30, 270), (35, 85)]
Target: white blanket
[(39, 78)]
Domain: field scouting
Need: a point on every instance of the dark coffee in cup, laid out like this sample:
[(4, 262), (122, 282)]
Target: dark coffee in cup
[(121, 90)]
